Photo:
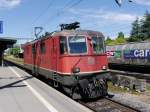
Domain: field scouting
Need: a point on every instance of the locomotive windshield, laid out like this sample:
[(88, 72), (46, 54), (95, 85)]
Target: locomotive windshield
[(98, 45), (77, 44)]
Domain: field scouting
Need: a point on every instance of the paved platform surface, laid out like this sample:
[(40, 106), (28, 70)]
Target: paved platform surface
[(21, 92)]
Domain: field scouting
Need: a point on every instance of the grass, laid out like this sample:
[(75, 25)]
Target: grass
[(116, 89), (148, 87), (14, 59)]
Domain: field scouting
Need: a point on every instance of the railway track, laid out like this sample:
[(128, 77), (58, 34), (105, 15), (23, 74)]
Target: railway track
[(107, 105), (130, 68), (128, 73), (130, 80)]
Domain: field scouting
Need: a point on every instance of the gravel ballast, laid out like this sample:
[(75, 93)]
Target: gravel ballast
[(130, 100)]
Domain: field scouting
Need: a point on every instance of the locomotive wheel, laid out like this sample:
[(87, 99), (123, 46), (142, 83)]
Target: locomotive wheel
[(76, 93), (50, 82), (36, 74), (104, 87)]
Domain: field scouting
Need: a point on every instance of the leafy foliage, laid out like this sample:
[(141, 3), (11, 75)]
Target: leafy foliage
[(119, 40), (15, 51), (140, 29), (140, 32)]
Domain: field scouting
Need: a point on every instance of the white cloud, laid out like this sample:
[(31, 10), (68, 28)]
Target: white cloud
[(105, 15), (115, 16), (106, 21), (9, 3), (143, 2)]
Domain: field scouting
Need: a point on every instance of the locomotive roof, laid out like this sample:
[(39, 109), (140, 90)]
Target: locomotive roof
[(69, 32), (78, 32)]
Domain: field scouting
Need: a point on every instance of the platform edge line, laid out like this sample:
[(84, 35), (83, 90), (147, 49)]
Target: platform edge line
[(42, 99)]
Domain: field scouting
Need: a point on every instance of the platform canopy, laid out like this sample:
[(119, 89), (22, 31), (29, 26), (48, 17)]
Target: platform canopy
[(5, 43)]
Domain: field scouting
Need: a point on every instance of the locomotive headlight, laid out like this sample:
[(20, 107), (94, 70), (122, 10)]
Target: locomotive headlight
[(76, 70), (104, 67)]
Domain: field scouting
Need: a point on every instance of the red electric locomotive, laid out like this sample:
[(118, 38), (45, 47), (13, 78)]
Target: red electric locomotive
[(74, 59)]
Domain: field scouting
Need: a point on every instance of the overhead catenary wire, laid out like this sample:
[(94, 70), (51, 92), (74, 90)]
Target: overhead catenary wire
[(43, 12), (63, 10), (46, 9), (69, 5)]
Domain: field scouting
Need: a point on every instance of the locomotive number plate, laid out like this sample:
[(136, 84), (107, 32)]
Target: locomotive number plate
[(91, 61)]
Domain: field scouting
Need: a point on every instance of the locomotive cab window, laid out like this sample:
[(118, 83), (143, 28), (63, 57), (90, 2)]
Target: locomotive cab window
[(63, 45), (98, 45), (77, 44), (42, 48)]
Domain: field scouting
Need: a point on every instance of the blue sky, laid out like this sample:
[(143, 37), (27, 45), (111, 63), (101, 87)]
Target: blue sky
[(21, 16)]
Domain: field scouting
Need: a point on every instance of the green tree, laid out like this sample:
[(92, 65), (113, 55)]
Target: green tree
[(140, 29), (145, 27), (120, 39), (15, 51), (134, 35), (109, 41), (120, 35)]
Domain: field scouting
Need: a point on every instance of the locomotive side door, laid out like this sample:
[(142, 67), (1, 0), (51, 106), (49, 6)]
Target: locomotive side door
[(33, 58)]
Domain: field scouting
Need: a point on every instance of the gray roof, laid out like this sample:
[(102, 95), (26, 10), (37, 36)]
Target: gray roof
[(8, 40)]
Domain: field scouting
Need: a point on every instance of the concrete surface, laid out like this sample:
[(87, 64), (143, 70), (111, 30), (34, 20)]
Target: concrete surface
[(20, 92)]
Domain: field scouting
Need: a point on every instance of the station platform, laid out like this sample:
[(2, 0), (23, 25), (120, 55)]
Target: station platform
[(21, 92)]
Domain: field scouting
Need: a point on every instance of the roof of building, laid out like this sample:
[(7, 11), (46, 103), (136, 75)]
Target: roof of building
[(8, 40)]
